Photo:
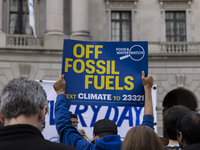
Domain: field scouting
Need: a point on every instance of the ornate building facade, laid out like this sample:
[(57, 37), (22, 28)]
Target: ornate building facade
[(170, 26)]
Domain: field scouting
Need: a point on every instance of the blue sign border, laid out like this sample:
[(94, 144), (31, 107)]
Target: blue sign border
[(120, 60)]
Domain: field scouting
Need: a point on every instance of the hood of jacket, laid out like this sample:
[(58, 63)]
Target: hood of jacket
[(111, 142)]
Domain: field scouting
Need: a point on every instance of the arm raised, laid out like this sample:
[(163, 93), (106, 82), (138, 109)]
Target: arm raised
[(147, 83)]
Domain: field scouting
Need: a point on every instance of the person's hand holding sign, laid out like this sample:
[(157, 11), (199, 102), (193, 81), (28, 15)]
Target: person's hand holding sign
[(147, 83), (60, 85)]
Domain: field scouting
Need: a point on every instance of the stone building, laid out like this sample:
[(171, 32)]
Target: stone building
[(170, 26)]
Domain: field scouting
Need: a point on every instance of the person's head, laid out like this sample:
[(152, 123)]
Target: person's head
[(189, 129), (74, 120), (170, 119), (23, 98), (141, 138), (104, 127)]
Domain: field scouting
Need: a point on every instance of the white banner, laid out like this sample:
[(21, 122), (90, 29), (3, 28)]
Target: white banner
[(124, 117)]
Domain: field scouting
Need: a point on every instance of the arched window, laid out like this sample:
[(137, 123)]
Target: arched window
[(180, 97)]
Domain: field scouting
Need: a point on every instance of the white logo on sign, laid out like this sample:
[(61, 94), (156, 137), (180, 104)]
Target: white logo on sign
[(136, 53)]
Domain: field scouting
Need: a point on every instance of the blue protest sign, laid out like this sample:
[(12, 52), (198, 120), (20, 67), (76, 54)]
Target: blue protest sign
[(104, 73)]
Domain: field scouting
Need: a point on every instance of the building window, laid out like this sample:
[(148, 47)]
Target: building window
[(175, 26), (120, 26), (19, 17)]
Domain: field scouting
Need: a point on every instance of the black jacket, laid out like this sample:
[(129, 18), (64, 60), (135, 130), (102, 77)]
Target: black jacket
[(192, 147), (27, 137)]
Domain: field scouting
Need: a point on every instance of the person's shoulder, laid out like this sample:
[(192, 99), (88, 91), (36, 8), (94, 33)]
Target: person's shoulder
[(65, 147), (192, 147), (60, 146)]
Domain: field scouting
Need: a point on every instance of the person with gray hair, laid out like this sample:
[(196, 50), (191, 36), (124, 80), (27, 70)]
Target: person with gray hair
[(23, 105)]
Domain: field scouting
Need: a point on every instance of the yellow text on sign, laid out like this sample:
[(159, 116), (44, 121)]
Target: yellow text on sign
[(108, 82), (100, 67), (70, 96), (79, 51)]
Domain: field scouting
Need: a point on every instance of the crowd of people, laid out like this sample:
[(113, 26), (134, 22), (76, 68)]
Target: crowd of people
[(23, 105)]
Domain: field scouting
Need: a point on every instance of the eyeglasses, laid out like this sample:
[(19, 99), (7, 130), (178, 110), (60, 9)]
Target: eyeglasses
[(75, 122)]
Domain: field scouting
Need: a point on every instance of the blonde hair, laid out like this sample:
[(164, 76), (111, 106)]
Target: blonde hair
[(141, 138)]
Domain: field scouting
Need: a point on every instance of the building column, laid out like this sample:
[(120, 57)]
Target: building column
[(54, 17), (54, 35), (1, 15), (80, 21)]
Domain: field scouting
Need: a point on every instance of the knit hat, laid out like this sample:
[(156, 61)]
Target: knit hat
[(105, 125)]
